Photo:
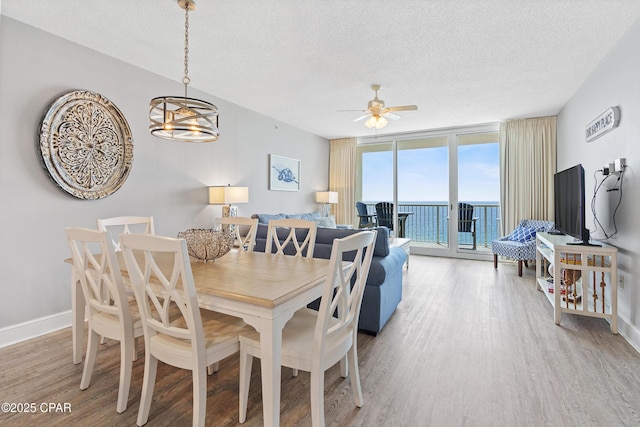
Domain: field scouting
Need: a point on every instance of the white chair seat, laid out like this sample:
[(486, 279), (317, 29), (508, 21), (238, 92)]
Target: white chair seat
[(297, 336)]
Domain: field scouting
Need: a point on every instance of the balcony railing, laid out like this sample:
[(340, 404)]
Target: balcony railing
[(430, 223)]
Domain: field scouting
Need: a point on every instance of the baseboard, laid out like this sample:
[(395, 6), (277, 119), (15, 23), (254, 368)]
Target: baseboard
[(34, 328), (629, 333)]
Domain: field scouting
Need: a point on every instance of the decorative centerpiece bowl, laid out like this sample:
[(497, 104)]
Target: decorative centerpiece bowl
[(207, 244)]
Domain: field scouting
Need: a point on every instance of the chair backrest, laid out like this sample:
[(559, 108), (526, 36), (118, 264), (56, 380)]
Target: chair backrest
[(99, 272), (384, 212), (343, 291), (161, 275), (538, 224), (244, 238), (293, 224), (125, 225), (465, 217), (361, 208)]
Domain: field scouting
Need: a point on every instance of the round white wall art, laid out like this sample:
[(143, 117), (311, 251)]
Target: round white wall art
[(86, 145)]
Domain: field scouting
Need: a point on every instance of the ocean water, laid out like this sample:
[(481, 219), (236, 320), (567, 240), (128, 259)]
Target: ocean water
[(429, 221)]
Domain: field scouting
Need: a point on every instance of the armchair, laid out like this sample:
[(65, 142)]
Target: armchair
[(520, 245)]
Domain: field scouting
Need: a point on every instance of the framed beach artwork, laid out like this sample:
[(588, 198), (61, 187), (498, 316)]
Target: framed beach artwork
[(284, 173)]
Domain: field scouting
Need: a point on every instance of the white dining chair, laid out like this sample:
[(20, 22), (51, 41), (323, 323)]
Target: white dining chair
[(293, 224), (313, 341), (191, 339), (125, 225), (111, 314), (245, 238)]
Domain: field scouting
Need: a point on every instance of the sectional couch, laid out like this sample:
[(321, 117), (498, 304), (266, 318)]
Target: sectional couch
[(383, 291)]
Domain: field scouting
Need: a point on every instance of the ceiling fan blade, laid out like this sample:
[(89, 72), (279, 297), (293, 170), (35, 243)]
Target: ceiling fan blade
[(362, 117), (389, 115), (403, 108)]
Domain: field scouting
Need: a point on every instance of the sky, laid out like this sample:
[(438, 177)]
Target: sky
[(423, 174)]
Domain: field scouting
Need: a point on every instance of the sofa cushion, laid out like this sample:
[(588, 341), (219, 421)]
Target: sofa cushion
[(265, 218)]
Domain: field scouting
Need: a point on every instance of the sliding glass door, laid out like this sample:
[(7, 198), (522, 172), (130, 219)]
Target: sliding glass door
[(445, 185)]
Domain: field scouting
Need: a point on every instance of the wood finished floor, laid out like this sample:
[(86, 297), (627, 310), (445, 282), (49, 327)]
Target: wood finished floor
[(467, 346)]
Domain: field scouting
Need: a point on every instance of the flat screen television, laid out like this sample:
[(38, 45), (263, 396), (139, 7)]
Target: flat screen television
[(569, 199)]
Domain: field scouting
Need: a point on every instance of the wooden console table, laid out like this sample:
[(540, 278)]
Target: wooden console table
[(583, 279)]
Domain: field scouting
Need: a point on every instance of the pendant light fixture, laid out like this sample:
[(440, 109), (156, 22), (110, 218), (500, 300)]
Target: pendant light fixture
[(182, 118)]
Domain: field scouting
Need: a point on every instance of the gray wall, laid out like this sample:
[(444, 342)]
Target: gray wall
[(168, 179), (615, 82)]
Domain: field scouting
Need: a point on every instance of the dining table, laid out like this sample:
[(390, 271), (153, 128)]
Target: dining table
[(265, 290)]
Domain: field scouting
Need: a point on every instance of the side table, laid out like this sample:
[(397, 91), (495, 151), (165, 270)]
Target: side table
[(403, 243)]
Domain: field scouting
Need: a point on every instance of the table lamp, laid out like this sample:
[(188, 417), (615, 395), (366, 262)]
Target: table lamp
[(228, 196), (327, 198)]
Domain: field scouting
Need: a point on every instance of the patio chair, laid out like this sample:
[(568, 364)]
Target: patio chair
[(365, 219), (520, 245), (384, 213), (467, 222)]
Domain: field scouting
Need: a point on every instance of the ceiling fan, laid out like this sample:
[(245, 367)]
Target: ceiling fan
[(378, 114)]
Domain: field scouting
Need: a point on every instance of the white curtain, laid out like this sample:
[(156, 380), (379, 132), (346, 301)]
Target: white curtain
[(527, 164), (342, 178)]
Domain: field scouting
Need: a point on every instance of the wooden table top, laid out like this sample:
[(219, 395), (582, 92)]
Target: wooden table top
[(254, 277)]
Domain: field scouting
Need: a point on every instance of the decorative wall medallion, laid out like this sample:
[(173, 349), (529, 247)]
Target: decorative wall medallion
[(86, 145)]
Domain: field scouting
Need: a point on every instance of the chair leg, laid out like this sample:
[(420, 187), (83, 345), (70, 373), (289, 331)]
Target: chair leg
[(526, 263), (126, 362), (317, 396), (344, 366), (90, 359), (214, 367), (520, 268), (495, 260), (148, 383), (246, 361), (352, 355), (199, 375)]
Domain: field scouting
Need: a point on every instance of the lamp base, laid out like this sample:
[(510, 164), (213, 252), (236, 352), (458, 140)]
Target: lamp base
[(229, 211), (326, 210)]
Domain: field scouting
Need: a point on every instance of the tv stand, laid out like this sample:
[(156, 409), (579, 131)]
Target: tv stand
[(584, 279)]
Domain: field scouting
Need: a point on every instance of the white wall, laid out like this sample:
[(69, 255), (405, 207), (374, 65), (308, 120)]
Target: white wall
[(615, 82), (168, 180)]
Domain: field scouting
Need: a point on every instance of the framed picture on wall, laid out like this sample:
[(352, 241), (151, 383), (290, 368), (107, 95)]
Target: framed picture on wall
[(284, 173)]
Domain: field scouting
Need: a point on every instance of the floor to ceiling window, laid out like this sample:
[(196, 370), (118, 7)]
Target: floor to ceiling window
[(445, 185)]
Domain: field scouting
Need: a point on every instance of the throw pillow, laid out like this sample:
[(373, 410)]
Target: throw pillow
[(326, 222), (311, 216), (523, 234), (265, 218)]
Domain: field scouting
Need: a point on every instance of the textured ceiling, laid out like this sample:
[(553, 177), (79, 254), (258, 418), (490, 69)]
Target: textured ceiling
[(461, 61)]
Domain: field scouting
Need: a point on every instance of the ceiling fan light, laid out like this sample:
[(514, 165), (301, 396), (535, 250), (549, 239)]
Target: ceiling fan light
[(376, 122)]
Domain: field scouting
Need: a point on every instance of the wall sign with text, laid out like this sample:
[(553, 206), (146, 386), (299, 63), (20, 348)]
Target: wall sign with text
[(604, 123)]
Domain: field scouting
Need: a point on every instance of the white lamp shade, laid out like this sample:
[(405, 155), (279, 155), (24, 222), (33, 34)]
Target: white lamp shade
[(228, 195), (326, 197)]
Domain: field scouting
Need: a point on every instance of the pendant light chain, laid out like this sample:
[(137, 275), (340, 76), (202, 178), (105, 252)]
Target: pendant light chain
[(186, 80)]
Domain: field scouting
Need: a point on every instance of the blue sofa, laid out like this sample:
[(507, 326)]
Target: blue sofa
[(383, 291)]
